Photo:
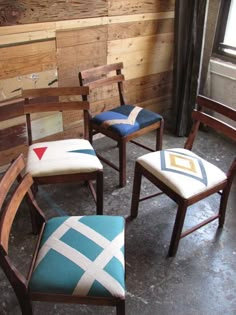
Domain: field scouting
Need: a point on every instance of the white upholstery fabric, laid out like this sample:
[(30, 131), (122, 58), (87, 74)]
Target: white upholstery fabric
[(62, 157), (182, 170)]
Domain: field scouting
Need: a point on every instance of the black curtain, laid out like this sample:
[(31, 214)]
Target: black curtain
[(188, 43)]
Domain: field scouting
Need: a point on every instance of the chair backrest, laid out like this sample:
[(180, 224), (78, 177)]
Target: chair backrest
[(214, 115), (217, 116), (13, 136), (14, 187), (110, 78), (58, 99)]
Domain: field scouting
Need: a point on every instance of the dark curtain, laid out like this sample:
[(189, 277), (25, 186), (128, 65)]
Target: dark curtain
[(188, 42)]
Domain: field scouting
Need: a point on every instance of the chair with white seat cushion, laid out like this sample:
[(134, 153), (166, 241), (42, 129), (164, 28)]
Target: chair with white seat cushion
[(62, 160), (77, 259), (185, 176)]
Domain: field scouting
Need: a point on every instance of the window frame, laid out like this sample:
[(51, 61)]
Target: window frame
[(218, 46)]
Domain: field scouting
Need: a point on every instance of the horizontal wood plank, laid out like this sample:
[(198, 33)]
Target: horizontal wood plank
[(77, 37), (140, 28), (138, 6)]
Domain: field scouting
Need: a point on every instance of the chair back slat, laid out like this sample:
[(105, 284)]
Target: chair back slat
[(58, 91), (9, 178), (11, 109), (53, 106), (216, 124), (215, 115), (100, 77), (10, 211), (105, 81), (14, 187), (59, 99), (220, 108), (101, 70)]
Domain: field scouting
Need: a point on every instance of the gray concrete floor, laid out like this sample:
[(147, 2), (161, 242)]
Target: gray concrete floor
[(200, 280)]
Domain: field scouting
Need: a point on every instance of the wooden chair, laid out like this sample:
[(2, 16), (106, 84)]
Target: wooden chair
[(186, 177), (78, 259), (123, 122), (66, 160)]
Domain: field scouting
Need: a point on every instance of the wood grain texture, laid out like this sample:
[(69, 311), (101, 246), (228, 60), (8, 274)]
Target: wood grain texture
[(52, 42), (140, 28), (139, 6), (32, 11), (11, 87), (12, 137), (28, 58), (79, 46)]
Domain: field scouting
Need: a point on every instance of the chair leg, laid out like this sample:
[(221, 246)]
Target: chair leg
[(122, 163), (99, 193), (223, 205), (136, 191), (26, 306), (159, 136), (120, 307), (90, 135), (178, 226)]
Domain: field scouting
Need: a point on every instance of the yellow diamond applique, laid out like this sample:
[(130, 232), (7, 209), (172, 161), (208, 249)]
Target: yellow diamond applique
[(184, 164)]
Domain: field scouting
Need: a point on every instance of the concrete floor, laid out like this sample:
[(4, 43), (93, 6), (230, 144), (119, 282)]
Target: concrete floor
[(200, 280)]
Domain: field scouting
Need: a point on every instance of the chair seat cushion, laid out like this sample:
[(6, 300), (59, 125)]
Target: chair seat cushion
[(62, 157), (126, 119), (81, 256), (182, 170)]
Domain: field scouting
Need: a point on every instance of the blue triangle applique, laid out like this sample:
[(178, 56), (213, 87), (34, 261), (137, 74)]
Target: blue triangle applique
[(84, 151)]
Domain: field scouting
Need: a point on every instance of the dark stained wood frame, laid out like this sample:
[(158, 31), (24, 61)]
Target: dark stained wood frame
[(34, 104), (22, 188), (223, 188), (102, 76)]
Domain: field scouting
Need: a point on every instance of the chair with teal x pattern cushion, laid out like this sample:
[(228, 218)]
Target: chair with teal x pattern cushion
[(78, 259), (118, 120)]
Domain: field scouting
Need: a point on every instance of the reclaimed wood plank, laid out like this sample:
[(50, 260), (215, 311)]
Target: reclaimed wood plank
[(139, 6), (164, 51), (11, 87), (139, 43), (43, 10), (140, 28), (79, 37)]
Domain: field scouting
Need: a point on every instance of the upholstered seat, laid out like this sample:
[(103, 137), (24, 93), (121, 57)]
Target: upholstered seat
[(182, 170), (76, 259), (116, 118), (126, 119), (76, 156), (186, 177), (66, 156), (91, 251)]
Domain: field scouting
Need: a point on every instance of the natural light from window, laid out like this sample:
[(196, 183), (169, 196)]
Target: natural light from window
[(230, 33)]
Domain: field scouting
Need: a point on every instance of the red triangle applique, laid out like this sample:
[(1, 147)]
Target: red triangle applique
[(40, 152)]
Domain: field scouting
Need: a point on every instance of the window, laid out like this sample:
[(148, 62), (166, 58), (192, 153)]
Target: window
[(225, 39)]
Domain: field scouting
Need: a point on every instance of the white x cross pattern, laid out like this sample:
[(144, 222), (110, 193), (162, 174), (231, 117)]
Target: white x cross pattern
[(93, 270)]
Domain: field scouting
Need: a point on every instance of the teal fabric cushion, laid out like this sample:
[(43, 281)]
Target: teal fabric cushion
[(81, 256)]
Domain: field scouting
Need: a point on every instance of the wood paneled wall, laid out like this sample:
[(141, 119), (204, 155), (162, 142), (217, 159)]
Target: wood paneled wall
[(51, 43)]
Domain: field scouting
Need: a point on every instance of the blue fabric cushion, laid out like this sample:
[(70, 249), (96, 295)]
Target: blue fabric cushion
[(122, 124), (81, 256)]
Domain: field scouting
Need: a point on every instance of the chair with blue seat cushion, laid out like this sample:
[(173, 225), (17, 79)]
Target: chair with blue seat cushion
[(59, 160), (122, 122), (186, 177), (78, 259)]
